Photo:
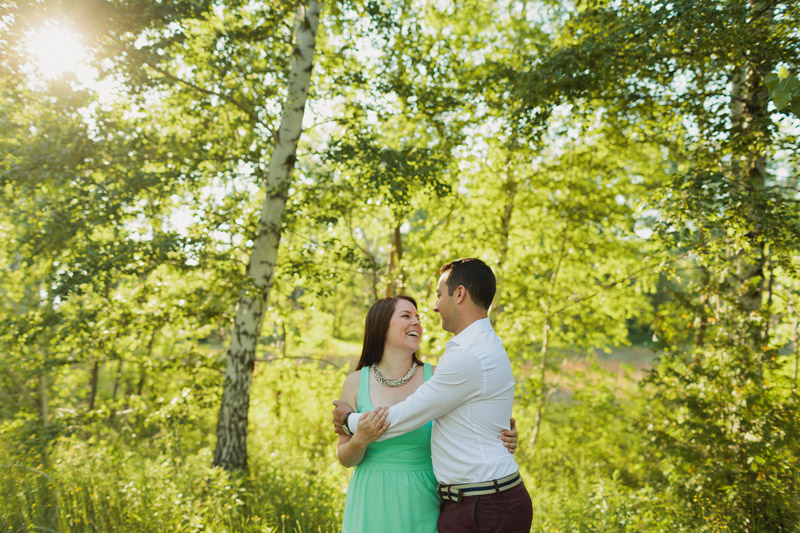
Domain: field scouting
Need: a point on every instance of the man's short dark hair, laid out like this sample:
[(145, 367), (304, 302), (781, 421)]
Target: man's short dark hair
[(475, 276)]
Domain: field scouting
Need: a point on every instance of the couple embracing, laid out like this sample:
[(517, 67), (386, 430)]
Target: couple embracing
[(437, 458)]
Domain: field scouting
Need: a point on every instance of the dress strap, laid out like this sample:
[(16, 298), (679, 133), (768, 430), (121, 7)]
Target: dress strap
[(364, 403), (428, 371)]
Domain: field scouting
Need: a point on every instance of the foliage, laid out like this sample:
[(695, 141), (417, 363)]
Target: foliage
[(784, 90), (618, 163), (723, 214)]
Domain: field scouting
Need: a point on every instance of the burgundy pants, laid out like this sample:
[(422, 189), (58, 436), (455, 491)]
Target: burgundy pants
[(509, 511)]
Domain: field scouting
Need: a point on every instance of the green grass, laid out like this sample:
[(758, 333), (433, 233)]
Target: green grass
[(589, 471)]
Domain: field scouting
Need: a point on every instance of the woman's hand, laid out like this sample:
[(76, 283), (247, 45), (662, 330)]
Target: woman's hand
[(509, 437), (371, 426)]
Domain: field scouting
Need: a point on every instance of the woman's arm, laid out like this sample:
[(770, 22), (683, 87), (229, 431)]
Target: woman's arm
[(509, 437), (372, 425), (350, 449), (350, 397)]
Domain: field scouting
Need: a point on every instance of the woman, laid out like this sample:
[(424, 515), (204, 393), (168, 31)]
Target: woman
[(393, 488)]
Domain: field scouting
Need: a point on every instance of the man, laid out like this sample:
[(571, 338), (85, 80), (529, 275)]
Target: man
[(470, 397)]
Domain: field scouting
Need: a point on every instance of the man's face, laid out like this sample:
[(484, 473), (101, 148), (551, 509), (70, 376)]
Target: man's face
[(445, 303)]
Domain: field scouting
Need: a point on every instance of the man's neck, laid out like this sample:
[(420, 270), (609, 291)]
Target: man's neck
[(469, 318)]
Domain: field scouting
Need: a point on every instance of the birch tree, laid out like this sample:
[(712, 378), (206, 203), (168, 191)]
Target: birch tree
[(231, 450)]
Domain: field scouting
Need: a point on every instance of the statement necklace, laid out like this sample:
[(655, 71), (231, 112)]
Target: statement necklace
[(395, 382)]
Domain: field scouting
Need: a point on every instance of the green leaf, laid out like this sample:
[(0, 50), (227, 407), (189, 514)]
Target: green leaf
[(790, 85), (783, 89), (781, 99), (795, 107), (772, 80)]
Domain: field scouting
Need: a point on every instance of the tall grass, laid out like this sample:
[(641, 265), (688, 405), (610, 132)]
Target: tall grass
[(161, 479), (589, 472), (100, 491)]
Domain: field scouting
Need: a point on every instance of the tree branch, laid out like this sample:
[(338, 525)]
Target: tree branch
[(616, 282), (120, 46), (246, 110), (306, 358)]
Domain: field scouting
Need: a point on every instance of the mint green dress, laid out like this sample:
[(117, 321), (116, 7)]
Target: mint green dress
[(393, 489)]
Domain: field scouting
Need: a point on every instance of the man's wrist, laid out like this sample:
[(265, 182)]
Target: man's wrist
[(345, 427)]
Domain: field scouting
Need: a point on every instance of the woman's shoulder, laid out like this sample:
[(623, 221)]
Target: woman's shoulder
[(353, 379), (350, 387)]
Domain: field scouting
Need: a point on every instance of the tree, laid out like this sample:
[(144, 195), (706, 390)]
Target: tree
[(231, 450), (640, 65)]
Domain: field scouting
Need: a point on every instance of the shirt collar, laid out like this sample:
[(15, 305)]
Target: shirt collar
[(469, 333)]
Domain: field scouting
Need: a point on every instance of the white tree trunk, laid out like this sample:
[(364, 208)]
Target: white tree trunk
[(231, 450), (749, 99)]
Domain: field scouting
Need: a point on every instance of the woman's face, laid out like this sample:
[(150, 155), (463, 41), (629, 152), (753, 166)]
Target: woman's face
[(405, 329)]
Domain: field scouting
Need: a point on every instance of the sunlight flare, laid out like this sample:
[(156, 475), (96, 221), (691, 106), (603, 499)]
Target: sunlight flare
[(56, 50)]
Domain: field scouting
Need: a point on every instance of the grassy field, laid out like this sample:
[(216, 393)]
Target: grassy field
[(151, 471)]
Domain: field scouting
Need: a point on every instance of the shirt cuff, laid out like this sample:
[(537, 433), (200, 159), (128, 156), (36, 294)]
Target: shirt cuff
[(352, 422)]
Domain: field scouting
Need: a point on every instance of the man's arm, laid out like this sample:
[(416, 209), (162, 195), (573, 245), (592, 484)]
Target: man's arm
[(457, 380)]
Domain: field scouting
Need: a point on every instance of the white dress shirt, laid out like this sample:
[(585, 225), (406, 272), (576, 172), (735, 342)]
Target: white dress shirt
[(469, 398)]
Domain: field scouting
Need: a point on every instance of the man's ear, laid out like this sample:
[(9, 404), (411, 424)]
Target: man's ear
[(460, 293)]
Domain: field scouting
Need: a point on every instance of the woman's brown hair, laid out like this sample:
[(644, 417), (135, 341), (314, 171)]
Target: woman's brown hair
[(375, 327)]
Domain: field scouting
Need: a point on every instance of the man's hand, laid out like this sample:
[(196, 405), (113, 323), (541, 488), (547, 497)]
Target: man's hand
[(340, 410)]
